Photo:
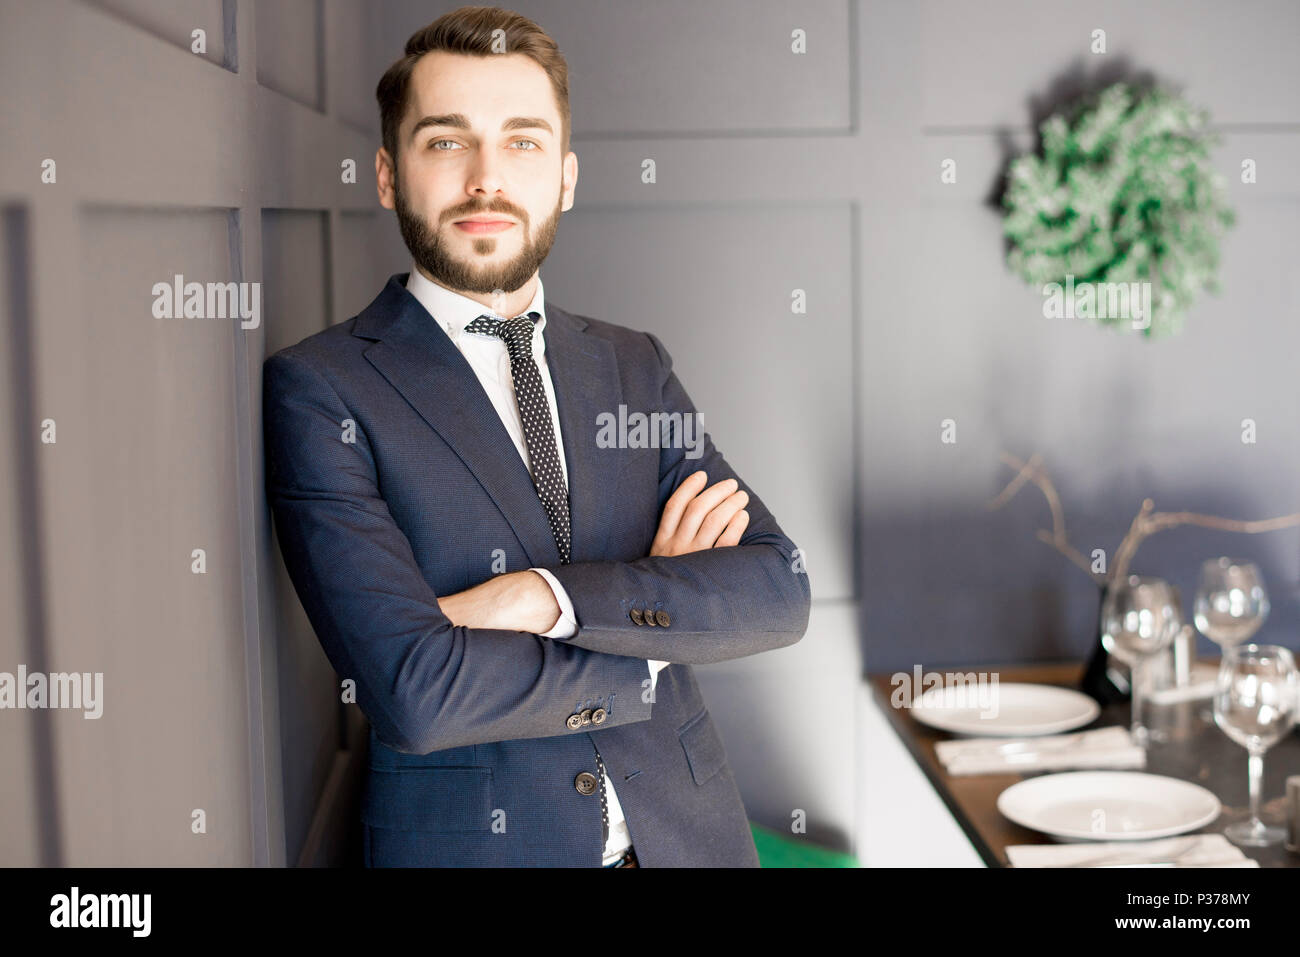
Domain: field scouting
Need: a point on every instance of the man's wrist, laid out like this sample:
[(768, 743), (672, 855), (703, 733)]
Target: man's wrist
[(517, 601), (566, 625), (538, 605)]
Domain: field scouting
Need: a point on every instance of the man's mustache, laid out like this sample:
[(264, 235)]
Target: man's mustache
[(475, 211)]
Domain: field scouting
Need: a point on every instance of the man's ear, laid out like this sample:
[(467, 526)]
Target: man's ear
[(568, 180), (384, 178)]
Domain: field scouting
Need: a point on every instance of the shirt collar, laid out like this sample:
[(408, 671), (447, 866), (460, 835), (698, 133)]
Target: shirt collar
[(453, 312)]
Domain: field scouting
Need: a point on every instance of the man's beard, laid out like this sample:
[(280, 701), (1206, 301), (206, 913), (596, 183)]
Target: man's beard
[(436, 258)]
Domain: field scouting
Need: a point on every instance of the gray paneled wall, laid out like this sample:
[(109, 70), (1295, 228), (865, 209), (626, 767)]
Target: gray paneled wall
[(222, 165), (176, 22), (25, 739), (950, 333), (137, 482), (294, 250)]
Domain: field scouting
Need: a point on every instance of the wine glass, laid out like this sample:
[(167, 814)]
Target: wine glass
[(1140, 616), (1255, 704), (1231, 603)]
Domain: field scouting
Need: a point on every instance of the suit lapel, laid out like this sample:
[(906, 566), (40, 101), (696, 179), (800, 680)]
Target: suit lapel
[(415, 356), (585, 374)]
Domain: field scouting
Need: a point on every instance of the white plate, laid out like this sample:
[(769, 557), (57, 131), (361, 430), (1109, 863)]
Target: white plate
[(1108, 805), (1005, 710)]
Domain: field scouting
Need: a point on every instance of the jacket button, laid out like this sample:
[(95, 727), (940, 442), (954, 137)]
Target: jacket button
[(598, 716), (585, 717), (662, 618), (585, 783), (649, 618), (574, 721), (635, 615)]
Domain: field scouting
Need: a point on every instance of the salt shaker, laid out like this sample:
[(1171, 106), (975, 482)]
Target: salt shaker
[(1184, 655)]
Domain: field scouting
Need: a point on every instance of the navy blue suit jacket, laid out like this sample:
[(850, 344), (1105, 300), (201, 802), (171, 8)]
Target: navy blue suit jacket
[(392, 481)]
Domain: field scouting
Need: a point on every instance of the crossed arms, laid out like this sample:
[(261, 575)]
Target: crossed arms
[(694, 519), (471, 668)]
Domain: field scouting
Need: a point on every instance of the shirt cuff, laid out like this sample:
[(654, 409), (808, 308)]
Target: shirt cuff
[(567, 625)]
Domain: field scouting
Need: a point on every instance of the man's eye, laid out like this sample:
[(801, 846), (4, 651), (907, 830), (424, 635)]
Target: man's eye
[(434, 145), (527, 143)]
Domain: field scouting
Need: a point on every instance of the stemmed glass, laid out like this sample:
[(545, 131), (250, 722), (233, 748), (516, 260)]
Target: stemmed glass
[(1255, 704), (1140, 617), (1231, 603)]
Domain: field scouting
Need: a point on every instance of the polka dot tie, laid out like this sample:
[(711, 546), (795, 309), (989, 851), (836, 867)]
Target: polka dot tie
[(604, 807), (539, 436), (535, 411)]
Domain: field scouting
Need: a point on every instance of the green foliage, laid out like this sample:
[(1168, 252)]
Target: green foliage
[(1124, 192)]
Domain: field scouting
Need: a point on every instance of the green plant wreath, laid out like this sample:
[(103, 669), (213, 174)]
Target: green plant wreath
[(1123, 193)]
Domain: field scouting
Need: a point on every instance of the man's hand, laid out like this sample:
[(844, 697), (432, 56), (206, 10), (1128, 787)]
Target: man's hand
[(518, 601), (695, 520)]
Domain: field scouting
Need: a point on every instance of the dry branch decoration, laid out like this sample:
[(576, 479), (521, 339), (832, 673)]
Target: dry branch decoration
[(1147, 521)]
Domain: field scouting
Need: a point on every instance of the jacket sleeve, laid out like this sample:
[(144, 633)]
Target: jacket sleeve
[(721, 603), (425, 684)]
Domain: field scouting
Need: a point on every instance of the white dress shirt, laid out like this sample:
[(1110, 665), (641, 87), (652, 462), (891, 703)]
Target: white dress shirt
[(490, 361)]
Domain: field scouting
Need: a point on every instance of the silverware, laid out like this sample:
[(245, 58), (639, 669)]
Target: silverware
[(1131, 858), (1019, 746), (1014, 752), (1142, 864)]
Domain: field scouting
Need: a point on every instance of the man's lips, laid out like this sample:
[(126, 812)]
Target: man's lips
[(478, 226)]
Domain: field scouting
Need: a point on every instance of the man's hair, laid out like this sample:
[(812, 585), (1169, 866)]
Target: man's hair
[(472, 30)]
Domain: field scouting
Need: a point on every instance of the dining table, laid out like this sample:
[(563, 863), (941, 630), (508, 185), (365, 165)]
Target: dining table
[(1195, 750)]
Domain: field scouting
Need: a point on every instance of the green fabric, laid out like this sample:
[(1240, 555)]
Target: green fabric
[(777, 850)]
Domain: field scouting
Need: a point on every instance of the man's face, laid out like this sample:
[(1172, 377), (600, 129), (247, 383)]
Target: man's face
[(474, 144)]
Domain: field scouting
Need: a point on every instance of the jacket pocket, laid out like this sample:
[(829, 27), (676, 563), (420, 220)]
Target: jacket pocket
[(703, 747), (429, 799)]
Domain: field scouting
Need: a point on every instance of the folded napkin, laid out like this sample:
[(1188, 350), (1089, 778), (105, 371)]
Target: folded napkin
[(1102, 748), (1196, 850), (1202, 682)]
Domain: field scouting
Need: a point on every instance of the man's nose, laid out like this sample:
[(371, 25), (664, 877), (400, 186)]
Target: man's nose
[(485, 174)]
